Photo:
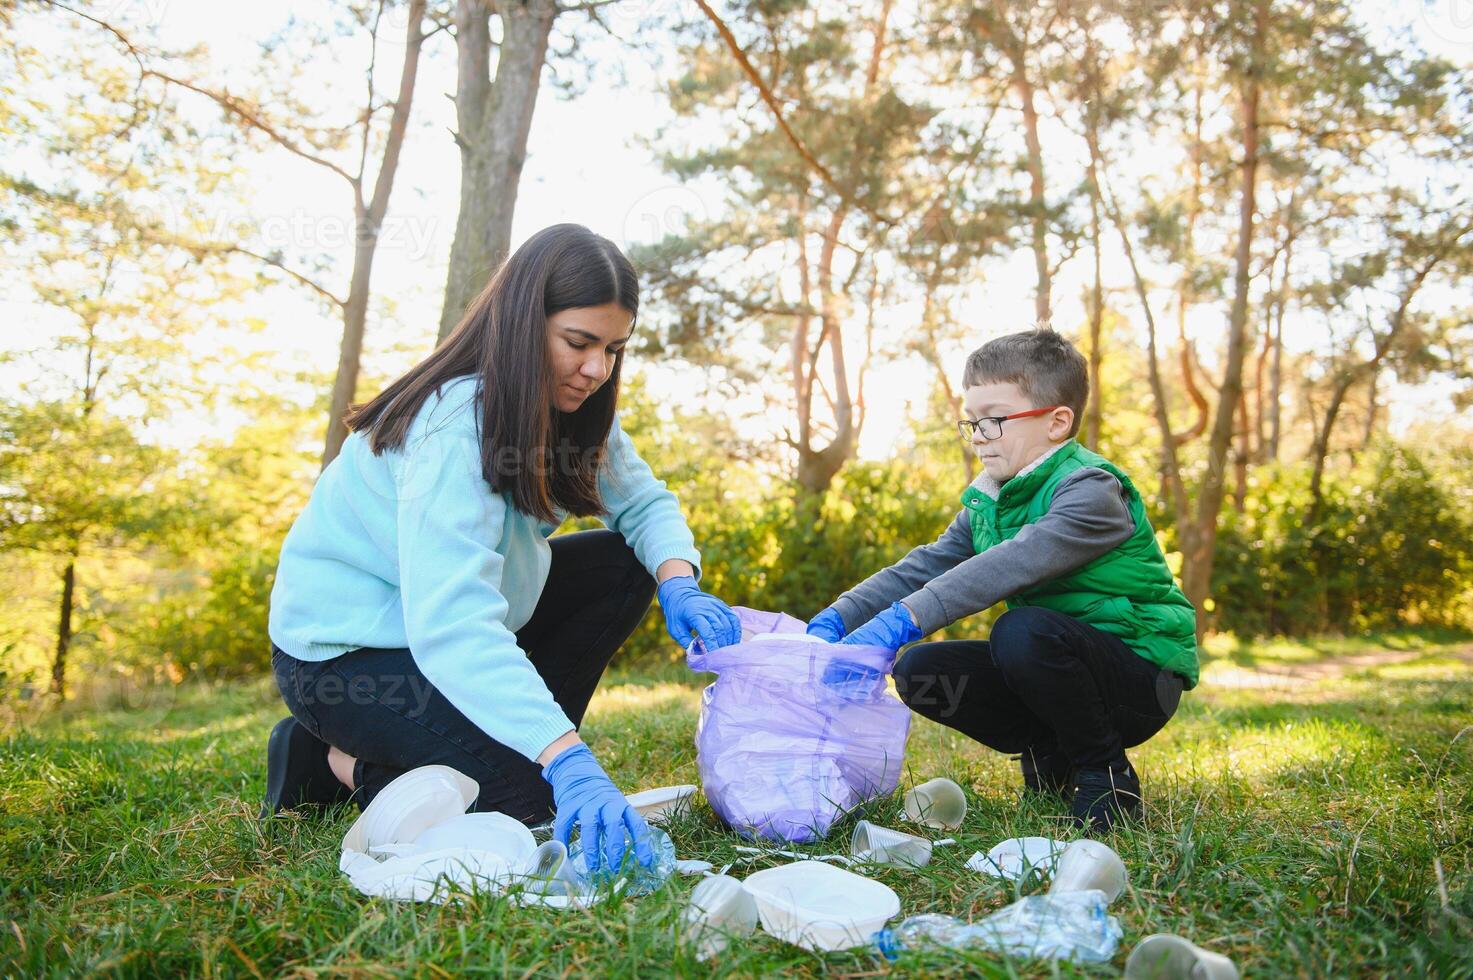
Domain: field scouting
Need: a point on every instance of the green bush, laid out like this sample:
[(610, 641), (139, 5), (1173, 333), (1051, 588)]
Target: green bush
[(1390, 545)]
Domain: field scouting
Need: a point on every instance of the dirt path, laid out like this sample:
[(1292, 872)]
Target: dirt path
[(1280, 674)]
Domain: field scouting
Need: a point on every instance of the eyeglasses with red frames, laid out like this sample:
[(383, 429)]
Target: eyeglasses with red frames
[(991, 427)]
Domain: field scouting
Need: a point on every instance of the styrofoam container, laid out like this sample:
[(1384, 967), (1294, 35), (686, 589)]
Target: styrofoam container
[(496, 832), (820, 907), (657, 804), (415, 842), (410, 805)]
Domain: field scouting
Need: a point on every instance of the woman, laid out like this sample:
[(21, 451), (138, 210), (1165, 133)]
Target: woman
[(420, 614)]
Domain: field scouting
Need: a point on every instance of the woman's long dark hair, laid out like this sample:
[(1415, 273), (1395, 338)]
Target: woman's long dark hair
[(547, 459)]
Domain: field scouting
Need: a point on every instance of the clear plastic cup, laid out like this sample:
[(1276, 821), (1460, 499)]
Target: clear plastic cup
[(881, 845), (937, 803), (1167, 957), (1086, 865)]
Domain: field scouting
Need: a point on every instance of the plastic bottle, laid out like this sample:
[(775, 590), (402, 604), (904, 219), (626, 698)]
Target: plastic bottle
[(1073, 926), (641, 880), (849, 679)]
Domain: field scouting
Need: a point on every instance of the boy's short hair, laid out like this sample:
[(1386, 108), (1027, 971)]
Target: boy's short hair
[(1045, 366)]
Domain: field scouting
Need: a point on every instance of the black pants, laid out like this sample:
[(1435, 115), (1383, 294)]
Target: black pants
[(376, 706), (1042, 682)]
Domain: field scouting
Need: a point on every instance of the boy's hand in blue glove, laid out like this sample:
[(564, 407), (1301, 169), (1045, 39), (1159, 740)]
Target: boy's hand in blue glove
[(584, 794), (892, 629), (827, 625), (689, 610)]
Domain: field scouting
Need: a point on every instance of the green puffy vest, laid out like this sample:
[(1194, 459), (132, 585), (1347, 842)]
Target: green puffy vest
[(1128, 591)]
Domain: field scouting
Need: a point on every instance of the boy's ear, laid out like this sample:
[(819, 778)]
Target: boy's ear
[(1059, 423)]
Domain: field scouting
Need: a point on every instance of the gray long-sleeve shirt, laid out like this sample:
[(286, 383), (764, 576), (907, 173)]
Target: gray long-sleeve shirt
[(947, 580)]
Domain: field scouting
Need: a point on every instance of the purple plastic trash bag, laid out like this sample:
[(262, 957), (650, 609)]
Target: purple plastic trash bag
[(795, 731)]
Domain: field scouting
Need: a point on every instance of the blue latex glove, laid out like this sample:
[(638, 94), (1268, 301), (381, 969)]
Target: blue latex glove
[(585, 795), (689, 610), (892, 629), (827, 625)]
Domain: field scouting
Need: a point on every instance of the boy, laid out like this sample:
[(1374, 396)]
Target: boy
[(1098, 641)]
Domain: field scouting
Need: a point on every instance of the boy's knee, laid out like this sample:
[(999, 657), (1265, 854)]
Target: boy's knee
[(1017, 637), (914, 672)]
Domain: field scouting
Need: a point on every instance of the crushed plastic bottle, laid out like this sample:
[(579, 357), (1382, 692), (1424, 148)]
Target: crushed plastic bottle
[(850, 680), (1072, 926), (640, 879)]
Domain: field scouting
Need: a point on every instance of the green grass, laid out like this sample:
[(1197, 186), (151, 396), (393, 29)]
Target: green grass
[(1304, 824)]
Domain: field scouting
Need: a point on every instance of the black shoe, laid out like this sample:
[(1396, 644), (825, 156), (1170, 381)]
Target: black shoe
[(1046, 773), (297, 773), (1106, 795)]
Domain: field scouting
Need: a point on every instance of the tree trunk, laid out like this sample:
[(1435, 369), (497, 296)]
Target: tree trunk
[(1186, 287), (1094, 415), (1274, 342), (1350, 375), (1015, 48), (1276, 369), (1197, 561), (818, 467), (1043, 299), (1369, 432), (493, 120), (355, 320), (1240, 458), (64, 624), (368, 219)]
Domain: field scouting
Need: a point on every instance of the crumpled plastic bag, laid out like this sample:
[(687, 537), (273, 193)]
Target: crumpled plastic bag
[(795, 731)]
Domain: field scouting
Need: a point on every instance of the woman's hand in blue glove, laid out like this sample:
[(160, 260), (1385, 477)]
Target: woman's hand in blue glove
[(892, 629), (689, 610), (827, 625), (585, 795)]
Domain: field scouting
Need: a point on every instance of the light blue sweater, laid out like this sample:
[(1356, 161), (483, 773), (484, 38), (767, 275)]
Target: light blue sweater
[(412, 549)]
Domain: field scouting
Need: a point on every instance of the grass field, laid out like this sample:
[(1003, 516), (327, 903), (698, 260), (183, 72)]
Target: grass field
[(1309, 813)]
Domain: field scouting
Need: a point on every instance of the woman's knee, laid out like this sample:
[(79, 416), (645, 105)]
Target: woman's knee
[(606, 549)]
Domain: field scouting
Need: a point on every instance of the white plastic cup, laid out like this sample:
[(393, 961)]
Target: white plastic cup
[(1167, 957), (881, 845), (937, 803), (1088, 864), (547, 861), (719, 910)]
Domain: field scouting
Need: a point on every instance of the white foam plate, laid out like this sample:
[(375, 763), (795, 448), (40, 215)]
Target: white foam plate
[(1009, 858), (656, 804)]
